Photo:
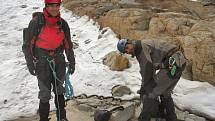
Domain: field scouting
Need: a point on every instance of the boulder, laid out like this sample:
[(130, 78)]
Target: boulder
[(116, 61), (120, 90)]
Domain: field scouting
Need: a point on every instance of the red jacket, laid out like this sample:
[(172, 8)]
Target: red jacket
[(51, 35)]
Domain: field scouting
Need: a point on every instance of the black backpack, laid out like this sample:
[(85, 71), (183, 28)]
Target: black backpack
[(26, 33), (40, 22)]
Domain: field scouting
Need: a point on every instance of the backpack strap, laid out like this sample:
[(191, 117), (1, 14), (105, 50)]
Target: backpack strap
[(64, 27), (40, 21), (172, 51)]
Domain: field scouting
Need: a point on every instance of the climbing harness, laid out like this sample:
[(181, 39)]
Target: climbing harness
[(172, 66)]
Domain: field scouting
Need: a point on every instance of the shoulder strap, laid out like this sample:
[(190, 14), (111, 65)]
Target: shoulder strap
[(172, 51), (146, 50), (65, 28), (40, 21)]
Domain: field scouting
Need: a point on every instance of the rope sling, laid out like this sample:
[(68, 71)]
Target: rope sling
[(68, 87)]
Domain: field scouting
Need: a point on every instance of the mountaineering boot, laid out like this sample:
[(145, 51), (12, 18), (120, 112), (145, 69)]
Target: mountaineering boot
[(168, 103), (61, 112), (150, 108), (44, 111)]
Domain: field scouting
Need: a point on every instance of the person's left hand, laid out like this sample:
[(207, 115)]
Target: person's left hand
[(71, 68)]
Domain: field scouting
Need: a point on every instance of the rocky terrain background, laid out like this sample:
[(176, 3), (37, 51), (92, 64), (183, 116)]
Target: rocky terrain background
[(185, 23), (83, 108)]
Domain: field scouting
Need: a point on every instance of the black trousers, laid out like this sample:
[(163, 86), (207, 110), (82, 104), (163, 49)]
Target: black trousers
[(44, 108), (155, 108), (47, 81), (167, 108)]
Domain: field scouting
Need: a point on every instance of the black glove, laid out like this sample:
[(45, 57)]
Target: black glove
[(31, 68)]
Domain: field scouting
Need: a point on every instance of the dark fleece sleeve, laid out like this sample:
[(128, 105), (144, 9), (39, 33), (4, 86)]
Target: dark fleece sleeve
[(68, 45), (147, 74)]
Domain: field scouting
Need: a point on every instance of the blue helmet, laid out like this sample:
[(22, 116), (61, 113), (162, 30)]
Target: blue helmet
[(121, 45)]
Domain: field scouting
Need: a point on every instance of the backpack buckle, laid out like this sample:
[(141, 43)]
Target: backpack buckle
[(51, 52)]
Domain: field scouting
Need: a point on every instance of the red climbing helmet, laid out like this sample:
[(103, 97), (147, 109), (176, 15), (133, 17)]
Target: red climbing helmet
[(52, 1)]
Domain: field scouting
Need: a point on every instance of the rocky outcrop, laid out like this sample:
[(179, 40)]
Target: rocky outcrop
[(171, 24), (185, 23), (128, 23), (97, 8), (82, 108), (199, 48), (92, 8)]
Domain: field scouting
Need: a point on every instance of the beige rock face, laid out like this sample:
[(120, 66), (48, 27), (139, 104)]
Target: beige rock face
[(199, 48), (92, 8), (129, 23), (188, 24), (99, 8), (171, 24)]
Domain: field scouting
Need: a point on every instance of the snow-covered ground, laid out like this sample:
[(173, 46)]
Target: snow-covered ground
[(18, 95)]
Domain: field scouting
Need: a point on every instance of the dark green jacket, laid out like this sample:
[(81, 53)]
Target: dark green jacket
[(151, 55)]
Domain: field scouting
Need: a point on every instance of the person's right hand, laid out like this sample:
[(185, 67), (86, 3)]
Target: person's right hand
[(71, 68)]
